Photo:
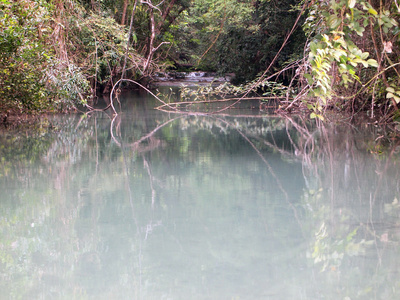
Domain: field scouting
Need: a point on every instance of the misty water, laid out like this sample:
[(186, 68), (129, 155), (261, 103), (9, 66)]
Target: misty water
[(157, 205)]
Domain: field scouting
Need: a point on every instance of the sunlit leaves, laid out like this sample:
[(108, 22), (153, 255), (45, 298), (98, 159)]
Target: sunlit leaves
[(393, 93), (352, 3), (334, 27)]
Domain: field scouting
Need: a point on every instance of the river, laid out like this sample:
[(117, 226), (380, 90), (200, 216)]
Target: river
[(156, 205)]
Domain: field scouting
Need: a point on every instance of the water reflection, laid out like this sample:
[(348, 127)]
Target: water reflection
[(192, 207)]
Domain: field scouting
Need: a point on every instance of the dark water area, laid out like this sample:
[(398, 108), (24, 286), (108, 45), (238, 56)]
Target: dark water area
[(155, 205)]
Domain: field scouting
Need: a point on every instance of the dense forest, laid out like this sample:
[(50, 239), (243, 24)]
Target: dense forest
[(320, 56)]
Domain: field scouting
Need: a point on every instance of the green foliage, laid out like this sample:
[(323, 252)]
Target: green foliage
[(393, 93), (236, 37), (208, 92), (331, 247), (99, 47), (343, 40), (23, 55), (55, 56)]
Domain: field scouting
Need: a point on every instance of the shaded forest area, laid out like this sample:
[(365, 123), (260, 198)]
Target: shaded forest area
[(320, 56)]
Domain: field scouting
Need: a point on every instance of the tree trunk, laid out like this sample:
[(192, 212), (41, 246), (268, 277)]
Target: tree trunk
[(93, 4), (59, 32), (123, 19), (165, 14), (151, 42)]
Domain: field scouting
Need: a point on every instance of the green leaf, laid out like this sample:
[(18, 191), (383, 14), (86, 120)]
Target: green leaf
[(309, 78), (334, 22), (372, 11), (351, 235), (372, 62), (393, 93), (313, 47), (390, 89), (364, 55), (389, 95)]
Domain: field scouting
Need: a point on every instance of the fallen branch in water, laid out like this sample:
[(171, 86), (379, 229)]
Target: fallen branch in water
[(161, 107), (143, 87)]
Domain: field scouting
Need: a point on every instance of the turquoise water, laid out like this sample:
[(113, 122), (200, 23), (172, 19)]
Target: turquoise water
[(154, 205)]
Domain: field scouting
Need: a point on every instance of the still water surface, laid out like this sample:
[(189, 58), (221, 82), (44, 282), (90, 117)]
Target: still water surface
[(154, 205)]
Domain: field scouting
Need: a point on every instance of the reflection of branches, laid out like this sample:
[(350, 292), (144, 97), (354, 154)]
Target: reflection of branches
[(143, 87), (112, 131), (174, 104), (150, 134), (336, 160), (135, 146), (331, 160), (97, 145), (280, 186), (252, 116), (273, 146), (153, 191), (305, 146), (389, 161), (373, 199), (150, 227)]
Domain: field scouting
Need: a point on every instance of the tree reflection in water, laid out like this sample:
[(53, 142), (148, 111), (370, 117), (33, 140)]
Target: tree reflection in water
[(198, 207)]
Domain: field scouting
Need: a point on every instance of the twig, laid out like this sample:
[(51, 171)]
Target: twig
[(216, 38), (272, 62), (143, 87), (151, 5)]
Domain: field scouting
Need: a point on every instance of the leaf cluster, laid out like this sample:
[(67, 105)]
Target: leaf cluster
[(349, 49), (23, 55)]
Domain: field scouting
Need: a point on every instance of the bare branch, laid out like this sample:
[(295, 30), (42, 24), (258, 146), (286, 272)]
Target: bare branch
[(155, 49), (148, 2)]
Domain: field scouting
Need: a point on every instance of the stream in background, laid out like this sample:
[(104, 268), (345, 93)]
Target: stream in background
[(155, 205)]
